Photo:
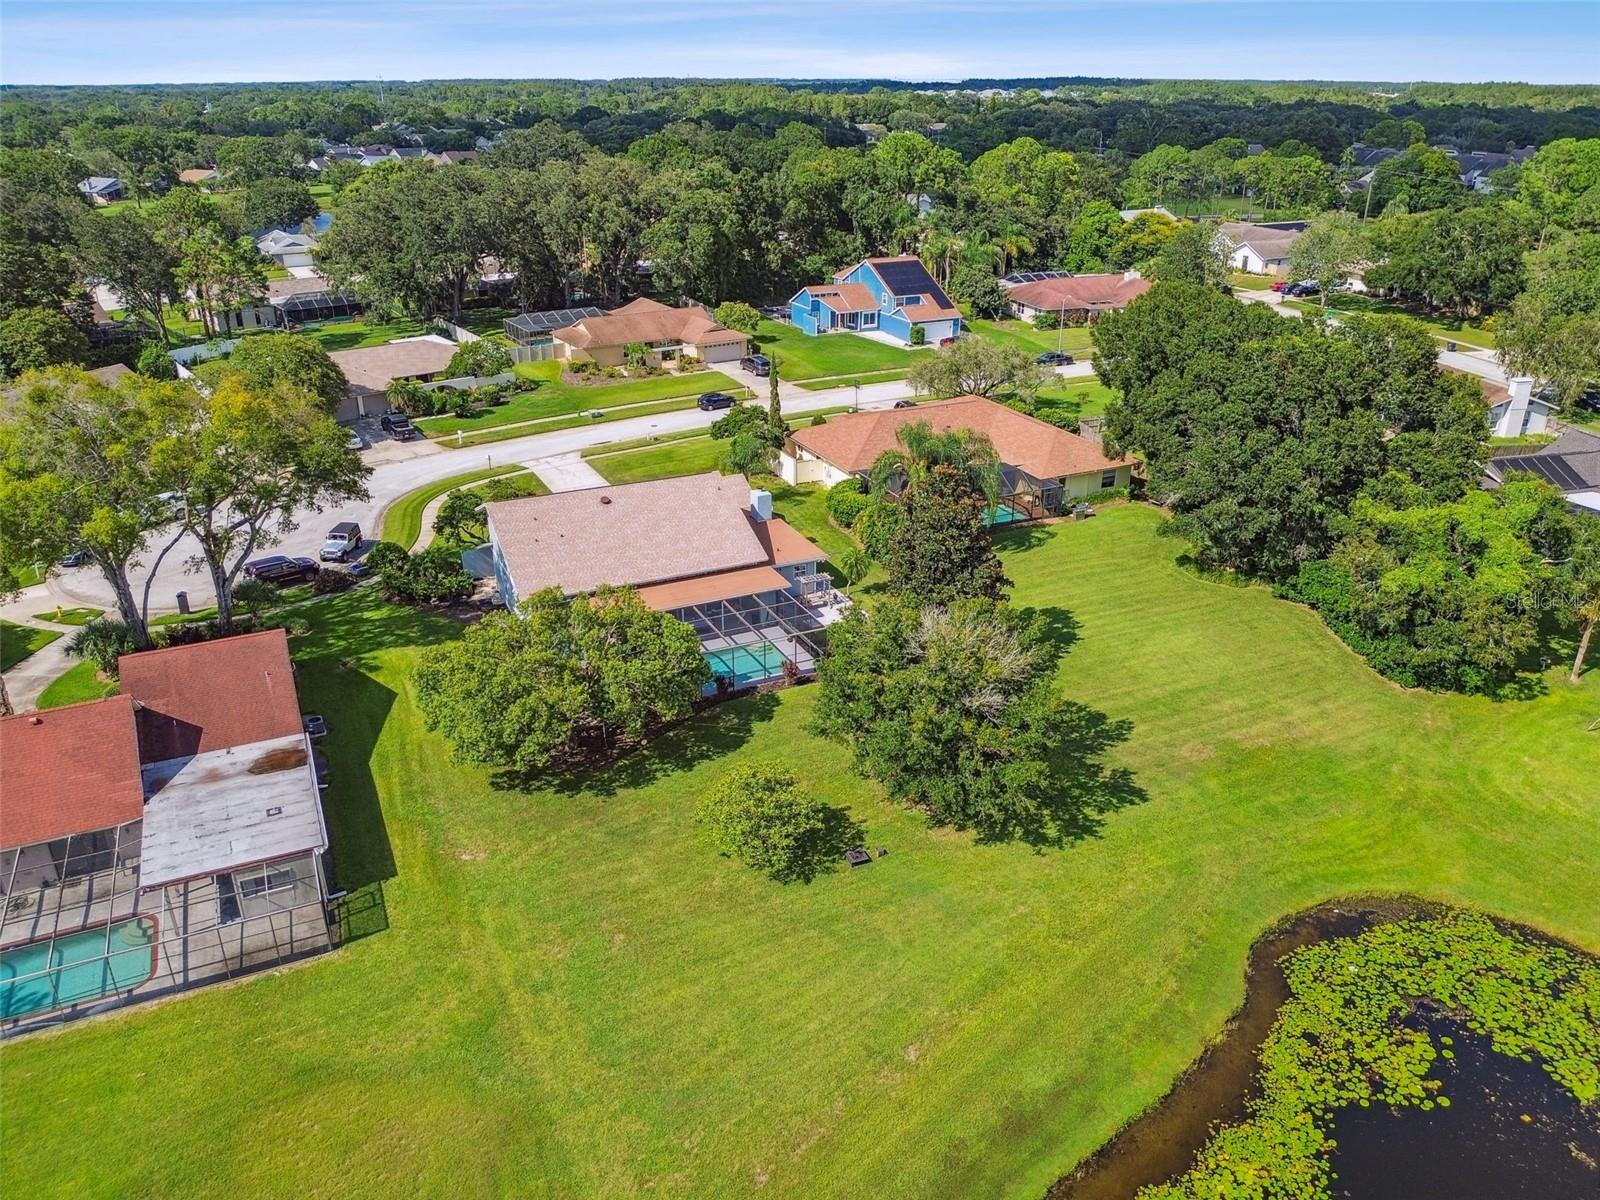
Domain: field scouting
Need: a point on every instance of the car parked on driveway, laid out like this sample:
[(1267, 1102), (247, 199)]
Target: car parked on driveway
[(1054, 358), (75, 558), (711, 401), (756, 364), (905, 403), (281, 569), (398, 426), (1280, 285), (343, 543)]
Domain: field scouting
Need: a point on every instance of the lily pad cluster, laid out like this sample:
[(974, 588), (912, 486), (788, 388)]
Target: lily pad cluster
[(1345, 1037)]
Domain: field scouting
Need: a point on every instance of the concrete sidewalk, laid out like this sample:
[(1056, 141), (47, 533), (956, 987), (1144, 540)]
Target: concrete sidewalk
[(29, 678)]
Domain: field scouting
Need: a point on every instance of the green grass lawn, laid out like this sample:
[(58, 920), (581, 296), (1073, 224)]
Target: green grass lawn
[(28, 576), (1468, 333), (1244, 281), (18, 642), (549, 396), (79, 682), (802, 357), (640, 443), (70, 616), (576, 997), (1075, 339), (504, 433), (360, 333), (688, 457), (823, 385), (402, 520), (1079, 397)]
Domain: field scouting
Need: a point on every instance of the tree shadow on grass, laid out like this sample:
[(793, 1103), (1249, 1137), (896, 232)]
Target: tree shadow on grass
[(1060, 627), (716, 731), (822, 853), (1083, 789)]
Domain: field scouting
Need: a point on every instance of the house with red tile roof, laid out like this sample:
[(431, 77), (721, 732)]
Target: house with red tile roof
[(1042, 467), (1072, 299), (666, 333), (160, 839), (880, 296)]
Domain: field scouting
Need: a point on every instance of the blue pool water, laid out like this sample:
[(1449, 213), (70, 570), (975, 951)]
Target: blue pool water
[(1003, 514), (77, 967), (746, 664)]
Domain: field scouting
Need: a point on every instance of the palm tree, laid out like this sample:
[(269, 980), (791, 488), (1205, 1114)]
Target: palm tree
[(1584, 572), (921, 450)]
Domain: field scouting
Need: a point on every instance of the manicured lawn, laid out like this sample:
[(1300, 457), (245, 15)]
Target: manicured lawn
[(688, 457), (1243, 281), (1467, 333), (1075, 339), (503, 433), (360, 333), (1078, 397), (550, 397), (823, 385), (18, 642), (402, 520), (801, 357), (81, 681), (575, 996), (71, 616), (639, 443), (28, 576)]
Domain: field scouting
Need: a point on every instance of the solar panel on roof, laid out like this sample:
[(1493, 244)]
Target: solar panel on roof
[(1552, 468), (911, 278)]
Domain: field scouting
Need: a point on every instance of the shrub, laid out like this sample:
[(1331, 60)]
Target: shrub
[(876, 526), (385, 555), (736, 314), (330, 581), (101, 641), (478, 358), (254, 595), (155, 363), (845, 502), (818, 420), (431, 577), (1046, 320), (761, 816), (919, 336)]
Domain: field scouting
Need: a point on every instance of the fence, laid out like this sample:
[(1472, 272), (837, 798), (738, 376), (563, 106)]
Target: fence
[(456, 333), (539, 352)]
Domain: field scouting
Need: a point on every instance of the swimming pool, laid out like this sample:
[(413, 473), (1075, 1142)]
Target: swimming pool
[(77, 967), (746, 664), (1003, 514)]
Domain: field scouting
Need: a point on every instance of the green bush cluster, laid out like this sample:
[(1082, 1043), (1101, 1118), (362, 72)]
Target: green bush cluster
[(433, 576), (846, 501), (1341, 1040)]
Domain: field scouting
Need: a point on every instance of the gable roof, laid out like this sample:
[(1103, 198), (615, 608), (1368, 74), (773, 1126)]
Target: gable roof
[(197, 175), (212, 695), (845, 297), (1072, 292), (904, 275), (1268, 241), (632, 534), (276, 241), (852, 442), (68, 770), (645, 320), (96, 184), (373, 367)]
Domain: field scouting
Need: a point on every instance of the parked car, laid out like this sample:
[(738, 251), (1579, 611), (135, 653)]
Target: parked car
[(355, 441), (314, 724), (711, 401), (1082, 510), (75, 559), (905, 403), (1308, 287), (344, 542), (774, 312), (280, 569), (398, 426), (1054, 358), (756, 364), (1590, 400), (948, 341), (1280, 285)]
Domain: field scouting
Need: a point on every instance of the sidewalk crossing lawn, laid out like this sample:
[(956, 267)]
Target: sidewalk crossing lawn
[(549, 396), (572, 994), (18, 642)]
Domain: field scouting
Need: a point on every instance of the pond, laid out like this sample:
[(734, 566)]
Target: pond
[(1504, 1129)]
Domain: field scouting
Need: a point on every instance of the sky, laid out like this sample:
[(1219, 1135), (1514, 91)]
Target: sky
[(187, 41)]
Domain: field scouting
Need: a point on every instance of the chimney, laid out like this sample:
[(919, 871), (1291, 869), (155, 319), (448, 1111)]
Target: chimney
[(1521, 388), (1131, 274), (760, 504), (1514, 421)]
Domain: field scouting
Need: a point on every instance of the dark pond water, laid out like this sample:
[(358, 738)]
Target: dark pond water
[(1480, 1148)]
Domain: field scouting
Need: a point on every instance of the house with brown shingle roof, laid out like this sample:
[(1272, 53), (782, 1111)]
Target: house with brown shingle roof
[(370, 369), (705, 548), (1042, 467), (667, 333), (1074, 299), (160, 839), (879, 296)]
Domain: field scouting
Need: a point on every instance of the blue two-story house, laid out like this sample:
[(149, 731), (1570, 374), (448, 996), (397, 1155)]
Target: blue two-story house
[(891, 296)]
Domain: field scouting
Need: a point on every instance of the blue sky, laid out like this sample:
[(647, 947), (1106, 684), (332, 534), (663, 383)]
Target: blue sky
[(146, 41)]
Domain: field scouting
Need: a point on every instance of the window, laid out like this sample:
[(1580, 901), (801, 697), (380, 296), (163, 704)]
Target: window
[(869, 320), (905, 301), (1108, 480), (265, 882)]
